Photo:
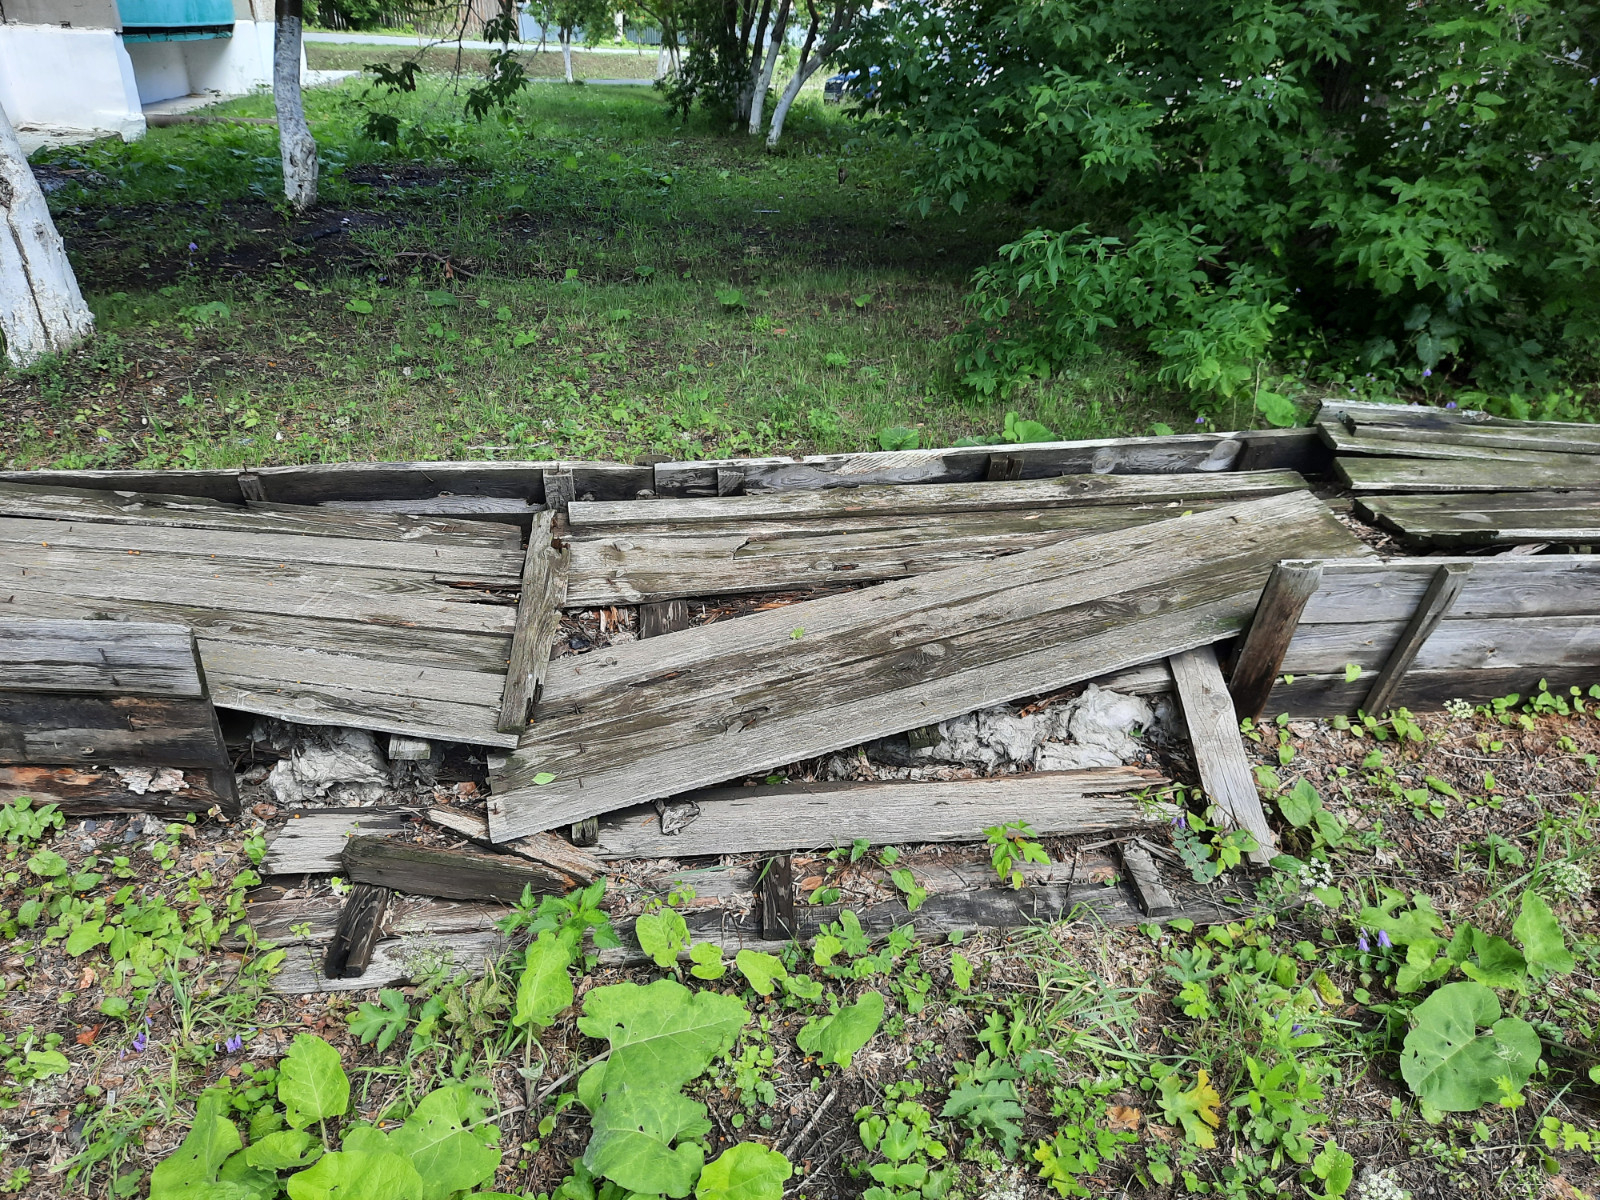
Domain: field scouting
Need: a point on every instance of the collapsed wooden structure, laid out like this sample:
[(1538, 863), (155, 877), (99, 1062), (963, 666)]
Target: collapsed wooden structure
[(425, 600)]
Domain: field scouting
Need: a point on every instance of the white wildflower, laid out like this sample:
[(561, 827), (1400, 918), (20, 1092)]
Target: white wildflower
[(1381, 1185)]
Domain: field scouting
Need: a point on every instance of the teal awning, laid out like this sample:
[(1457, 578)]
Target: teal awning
[(174, 16)]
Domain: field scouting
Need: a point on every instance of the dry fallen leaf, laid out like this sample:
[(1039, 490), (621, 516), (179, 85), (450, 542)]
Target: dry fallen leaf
[(1120, 1116), (86, 1037), (811, 883), (87, 979)]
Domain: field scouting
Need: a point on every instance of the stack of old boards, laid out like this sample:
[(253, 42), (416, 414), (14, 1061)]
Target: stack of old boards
[(77, 694), (382, 621), (1455, 481)]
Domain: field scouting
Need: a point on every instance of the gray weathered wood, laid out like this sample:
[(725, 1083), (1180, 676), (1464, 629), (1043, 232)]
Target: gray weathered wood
[(667, 616), (199, 512), (1424, 691), (543, 594), (312, 841), (285, 921), (1579, 440), (452, 874), (876, 502), (805, 816), (560, 489), (107, 658), (1294, 449), (1363, 474), (1442, 591), (544, 848), (394, 962), (1428, 444), (1356, 413), (1457, 644), (60, 728), (776, 887), (80, 792), (1493, 519), (360, 924), (1218, 749), (409, 749), (251, 487), (500, 511), (662, 716), (477, 565), (1272, 628), (1154, 899), (1373, 590)]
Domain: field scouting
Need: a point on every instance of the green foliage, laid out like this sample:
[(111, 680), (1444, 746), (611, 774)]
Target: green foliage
[(449, 1141), (633, 1143), (746, 1171), (1195, 1109), (1394, 189), (763, 971), (195, 1164), (839, 1037), (545, 989), (986, 1100), (1010, 844), (661, 1035), (1460, 1047), (707, 960), (662, 934), (898, 437), (311, 1082), (381, 1022), (21, 824)]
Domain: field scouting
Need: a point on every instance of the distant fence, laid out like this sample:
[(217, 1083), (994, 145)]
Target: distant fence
[(440, 20)]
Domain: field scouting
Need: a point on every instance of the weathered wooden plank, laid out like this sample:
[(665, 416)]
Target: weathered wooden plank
[(648, 568), (313, 919), (560, 489), (1272, 628), (476, 565), (107, 658), (221, 485), (361, 922), (665, 715), (876, 502), (379, 711), (408, 749), (538, 610), (1144, 680), (312, 842), (1373, 590), (1458, 644), (1441, 593), (1493, 519), (544, 848), (60, 729), (1418, 417), (501, 511), (291, 589), (1293, 449), (1582, 439), (1362, 474), (317, 483), (1218, 750), (778, 921), (452, 874), (1154, 899), (1391, 443), (85, 793), (394, 962), (199, 512), (805, 816), (666, 616), (1424, 691)]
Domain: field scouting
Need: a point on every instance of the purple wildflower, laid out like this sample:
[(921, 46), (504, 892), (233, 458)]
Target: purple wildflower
[(235, 1043), (1180, 821), (1200, 420), (1362, 944), (140, 1042), (1297, 1030), (193, 246), (1452, 404), (1427, 371), (1383, 940)]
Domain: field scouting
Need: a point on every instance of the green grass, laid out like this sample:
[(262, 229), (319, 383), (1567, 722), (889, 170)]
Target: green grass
[(542, 284)]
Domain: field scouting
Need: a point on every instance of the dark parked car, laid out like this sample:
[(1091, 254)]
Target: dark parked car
[(847, 83)]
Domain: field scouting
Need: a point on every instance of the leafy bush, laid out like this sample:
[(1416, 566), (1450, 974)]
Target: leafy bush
[(1389, 187)]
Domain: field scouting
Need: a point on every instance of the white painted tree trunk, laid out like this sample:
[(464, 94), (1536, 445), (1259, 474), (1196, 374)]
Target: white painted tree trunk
[(41, 310), (295, 143), (758, 102), (843, 15), (566, 52)]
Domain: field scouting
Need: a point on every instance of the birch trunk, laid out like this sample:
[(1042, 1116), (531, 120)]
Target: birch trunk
[(295, 143), (758, 102), (566, 52), (41, 310), (843, 14)]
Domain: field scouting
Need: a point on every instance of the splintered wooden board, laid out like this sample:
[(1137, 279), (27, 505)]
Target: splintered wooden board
[(1395, 443), (312, 628), (105, 658), (1490, 519), (666, 549), (655, 718), (804, 816), (1371, 474), (1461, 427)]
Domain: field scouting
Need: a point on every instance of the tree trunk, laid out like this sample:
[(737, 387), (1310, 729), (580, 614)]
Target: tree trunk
[(566, 51), (758, 102), (41, 310), (295, 143), (751, 47), (843, 14)]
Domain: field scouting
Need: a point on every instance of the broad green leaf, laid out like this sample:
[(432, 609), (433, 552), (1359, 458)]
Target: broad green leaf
[(545, 990), (824, 948), (311, 1083), (1496, 963), (85, 936), (1299, 804), (960, 970), (762, 970), (991, 1105), (838, 1038), (253, 1183), (707, 959), (282, 1151), (384, 1021), (632, 1143), (661, 1035), (45, 1063), (359, 306), (358, 1174), (1450, 1063), (744, 1172), (1540, 934), (442, 299), (1336, 1169), (803, 986), (211, 1140), (661, 935), (47, 864), (448, 1141), (1195, 1108)]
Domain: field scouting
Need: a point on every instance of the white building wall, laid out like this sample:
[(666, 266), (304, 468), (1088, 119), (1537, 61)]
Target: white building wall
[(68, 81)]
